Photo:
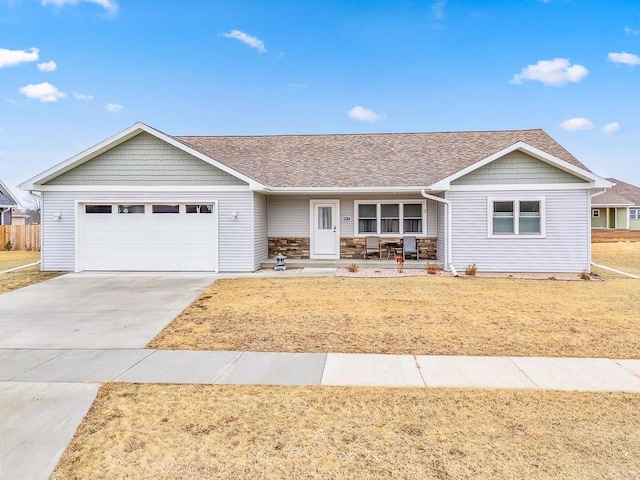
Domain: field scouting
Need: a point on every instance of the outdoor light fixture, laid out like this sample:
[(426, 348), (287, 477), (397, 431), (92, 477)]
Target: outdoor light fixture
[(234, 215), (57, 216)]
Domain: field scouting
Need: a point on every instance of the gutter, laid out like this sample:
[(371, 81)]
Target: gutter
[(449, 228)]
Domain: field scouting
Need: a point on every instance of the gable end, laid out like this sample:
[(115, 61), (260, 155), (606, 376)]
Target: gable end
[(145, 160), (517, 167)]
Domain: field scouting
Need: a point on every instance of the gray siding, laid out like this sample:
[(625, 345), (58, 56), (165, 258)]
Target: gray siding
[(516, 168), (289, 214), (145, 160), (260, 227), (234, 236), (565, 248)]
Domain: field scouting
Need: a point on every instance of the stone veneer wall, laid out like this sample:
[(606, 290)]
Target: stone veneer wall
[(350, 247)]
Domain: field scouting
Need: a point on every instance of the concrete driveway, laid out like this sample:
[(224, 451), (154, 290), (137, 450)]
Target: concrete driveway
[(96, 310)]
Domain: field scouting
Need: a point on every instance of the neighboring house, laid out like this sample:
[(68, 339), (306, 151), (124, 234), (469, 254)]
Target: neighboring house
[(7, 205), (19, 217), (617, 207), (145, 200)]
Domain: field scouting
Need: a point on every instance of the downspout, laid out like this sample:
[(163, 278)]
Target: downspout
[(589, 217), (448, 229), (4, 210)]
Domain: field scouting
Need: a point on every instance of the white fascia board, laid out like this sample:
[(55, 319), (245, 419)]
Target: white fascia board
[(116, 140), (7, 193), (520, 187), (142, 188), (594, 180), (329, 190)]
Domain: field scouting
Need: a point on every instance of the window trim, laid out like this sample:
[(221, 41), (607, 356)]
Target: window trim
[(595, 213), (516, 199), (378, 203)]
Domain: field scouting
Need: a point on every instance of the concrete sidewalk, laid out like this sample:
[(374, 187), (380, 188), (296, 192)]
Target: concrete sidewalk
[(44, 394), (273, 368)]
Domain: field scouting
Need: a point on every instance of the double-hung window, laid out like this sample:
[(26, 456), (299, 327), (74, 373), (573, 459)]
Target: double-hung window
[(390, 217), (521, 217)]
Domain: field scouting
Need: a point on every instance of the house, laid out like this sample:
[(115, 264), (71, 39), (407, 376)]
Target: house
[(19, 217), (144, 200), (617, 207), (7, 205)]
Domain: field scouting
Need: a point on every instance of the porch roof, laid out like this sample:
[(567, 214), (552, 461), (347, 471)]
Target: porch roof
[(364, 160), (621, 193)]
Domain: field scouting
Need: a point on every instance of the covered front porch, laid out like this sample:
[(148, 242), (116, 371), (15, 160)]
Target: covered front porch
[(345, 262)]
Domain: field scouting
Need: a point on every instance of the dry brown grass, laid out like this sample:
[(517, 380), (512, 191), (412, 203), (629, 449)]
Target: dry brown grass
[(606, 236), (622, 256), (419, 315), (14, 259), (249, 432), (21, 278)]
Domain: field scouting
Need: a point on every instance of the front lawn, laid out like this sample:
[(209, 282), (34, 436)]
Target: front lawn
[(419, 315), (249, 432), (21, 278), (623, 256)]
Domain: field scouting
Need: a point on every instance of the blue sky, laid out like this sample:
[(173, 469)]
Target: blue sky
[(73, 72)]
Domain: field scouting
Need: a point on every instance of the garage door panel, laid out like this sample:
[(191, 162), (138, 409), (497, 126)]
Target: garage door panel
[(148, 241)]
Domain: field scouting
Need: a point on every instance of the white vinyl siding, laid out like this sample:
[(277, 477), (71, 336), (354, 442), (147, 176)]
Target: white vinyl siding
[(441, 241), (289, 214), (565, 248), (234, 236), (145, 160), (260, 222)]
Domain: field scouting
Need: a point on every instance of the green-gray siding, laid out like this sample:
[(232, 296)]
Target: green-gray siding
[(145, 160), (517, 168)]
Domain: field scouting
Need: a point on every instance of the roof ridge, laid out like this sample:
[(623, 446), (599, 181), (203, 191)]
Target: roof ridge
[(358, 134)]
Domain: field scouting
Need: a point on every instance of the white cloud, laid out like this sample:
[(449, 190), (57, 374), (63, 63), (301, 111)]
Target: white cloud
[(623, 57), (109, 5), (437, 9), (631, 31), (613, 127), (247, 39), (575, 124), (82, 96), (47, 66), (45, 92), (365, 114), (11, 58), (298, 85), (551, 72), (114, 107)]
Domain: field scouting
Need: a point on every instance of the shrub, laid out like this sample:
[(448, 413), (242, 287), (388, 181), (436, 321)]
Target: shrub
[(8, 246), (353, 268), (471, 270), (433, 268)]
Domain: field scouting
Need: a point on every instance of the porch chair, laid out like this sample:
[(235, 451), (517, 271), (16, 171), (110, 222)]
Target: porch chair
[(372, 245), (410, 247)]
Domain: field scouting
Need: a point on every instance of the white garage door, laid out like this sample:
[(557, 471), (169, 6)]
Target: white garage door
[(148, 237)]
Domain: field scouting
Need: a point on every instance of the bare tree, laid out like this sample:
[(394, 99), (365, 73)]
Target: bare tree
[(34, 202)]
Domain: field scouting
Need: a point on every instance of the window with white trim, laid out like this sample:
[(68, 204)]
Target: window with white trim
[(595, 213), (634, 214), (511, 217), (391, 217)]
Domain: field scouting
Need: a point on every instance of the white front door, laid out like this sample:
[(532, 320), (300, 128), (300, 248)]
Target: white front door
[(325, 229)]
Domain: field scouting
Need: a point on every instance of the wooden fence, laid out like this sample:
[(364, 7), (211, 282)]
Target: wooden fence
[(22, 237)]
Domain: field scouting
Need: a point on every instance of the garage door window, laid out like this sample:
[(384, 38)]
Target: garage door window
[(199, 208), (165, 208), (130, 208), (97, 208)]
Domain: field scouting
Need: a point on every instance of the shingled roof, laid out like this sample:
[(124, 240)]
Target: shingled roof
[(364, 160), (622, 193)]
